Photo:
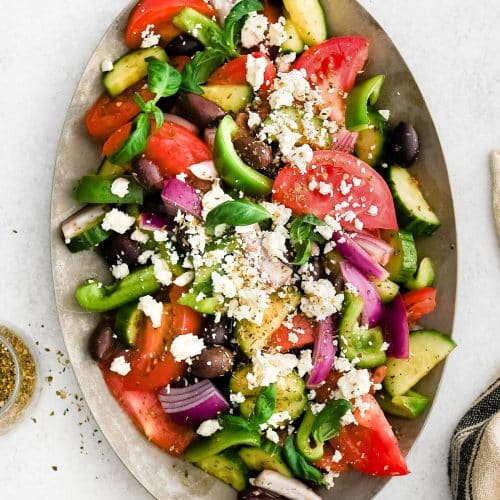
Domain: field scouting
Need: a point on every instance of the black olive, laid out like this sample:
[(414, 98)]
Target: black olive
[(213, 362), (183, 45), (102, 342), (120, 248), (405, 146), (218, 333), (198, 110)]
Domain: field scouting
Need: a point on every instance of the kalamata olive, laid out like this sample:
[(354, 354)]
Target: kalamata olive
[(183, 45), (218, 333), (405, 145), (102, 342), (257, 154), (120, 248), (317, 268), (148, 174), (254, 493), (198, 110), (213, 362)]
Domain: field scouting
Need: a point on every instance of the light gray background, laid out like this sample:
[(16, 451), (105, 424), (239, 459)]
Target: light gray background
[(452, 48)]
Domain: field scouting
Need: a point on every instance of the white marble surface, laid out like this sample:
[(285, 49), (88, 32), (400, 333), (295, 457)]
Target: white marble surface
[(452, 48)]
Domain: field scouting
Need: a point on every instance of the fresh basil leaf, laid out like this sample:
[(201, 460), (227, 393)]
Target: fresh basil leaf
[(327, 423), (151, 108), (237, 213), (199, 68), (303, 227), (228, 421), (235, 20), (159, 118), (303, 251), (264, 406), (299, 465), (143, 105), (136, 143), (163, 79)]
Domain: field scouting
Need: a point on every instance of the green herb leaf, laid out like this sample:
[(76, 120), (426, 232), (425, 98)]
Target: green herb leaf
[(327, 423), (163, 79), (235, 20), (136, 143), (151, 108), (159, 118), (303, 251), (237, 213), (228, 421), (299, 465), (302, 233), (264, 406), (199, 68)]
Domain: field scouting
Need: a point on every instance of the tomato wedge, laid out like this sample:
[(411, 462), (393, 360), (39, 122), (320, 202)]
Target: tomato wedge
[(302, 329), (327, 462), (235, 72), (117, 139), (146, 412), (371, 446), (354, 187), (334, 64), (174, 148), (109, 114), (159, 14), (418, 303)]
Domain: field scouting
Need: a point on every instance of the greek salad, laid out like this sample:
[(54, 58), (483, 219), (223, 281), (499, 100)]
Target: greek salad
[(256, 210)]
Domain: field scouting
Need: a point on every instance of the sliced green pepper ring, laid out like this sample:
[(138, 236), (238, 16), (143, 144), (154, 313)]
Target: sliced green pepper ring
[(357, 116), (98, 189), (231, 167), (304, 438)]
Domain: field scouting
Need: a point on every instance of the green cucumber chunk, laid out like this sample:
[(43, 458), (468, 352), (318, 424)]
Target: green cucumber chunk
[(309, 20), (266, 457), (99, 189), (427, 349), (231, 98), (410, 405), (107, 168), (372, 141), (425, 276), (197, 25), (128, 321), (387, 290), (403, 262), (293, 43), (129, 69), (228, 467), (413, 211)]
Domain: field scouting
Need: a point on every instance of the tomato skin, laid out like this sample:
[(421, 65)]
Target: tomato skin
[(174, 148), (185, 320), (178, 62), (109, 114), (325, 390), (159, 13), (272, 10), (335, 63), (418, 303), (235, 73), (116, 140), (371, 446), (291, 188), (282, 343), (326, 461), (146, 412)]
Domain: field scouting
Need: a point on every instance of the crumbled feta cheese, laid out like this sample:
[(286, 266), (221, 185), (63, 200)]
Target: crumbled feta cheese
[(139, 236), (208, 427), (279, 419), (272, 436), (237, 398), (120, 271), (254, 29), (384, 346), (317, 408), (160, 235), (321, 299), (106, 66), (161, 270), (348, 419), (311, 395), (119, 187), (284, 61), (255, 69), (305, 362), (184, 279), (325, 188), (279, 213), (152, 309), (254, 120), (301, 156), (120, 365), (274, 242), (342, 365), (223, 284), (149, 37), (204, 170), (118, 221), (373, 210), (293, 337), (337, 457), (329, 478), (184, 347), (354, 383), (277, 34), (145, 256), (213, 198), (385, 114), (267, 368)]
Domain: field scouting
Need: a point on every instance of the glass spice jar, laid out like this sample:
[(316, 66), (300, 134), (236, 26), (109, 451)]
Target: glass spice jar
[(19, 384)]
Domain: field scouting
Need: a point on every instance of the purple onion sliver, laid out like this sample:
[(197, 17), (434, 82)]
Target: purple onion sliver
[(397, 333), (154, 221), (379, 249), (344, 140), (178, 195), (178, 120), (323, 353)]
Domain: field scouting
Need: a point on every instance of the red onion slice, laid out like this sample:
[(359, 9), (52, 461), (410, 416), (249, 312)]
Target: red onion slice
[(378, 249), (178, 195), (397, 333), (174, 394), (152, 221), (344, 140), (178, 120), (204, 170), (323, 353), (209, 137)]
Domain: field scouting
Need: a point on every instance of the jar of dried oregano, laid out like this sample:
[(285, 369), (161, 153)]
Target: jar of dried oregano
[(18, 378)]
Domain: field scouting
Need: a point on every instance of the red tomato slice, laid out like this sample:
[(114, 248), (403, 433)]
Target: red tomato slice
[(302, 328), (371, 446), (418, 303), (116, 139), (326, 462), (335, 64), (145, 411), (159, 14), (362, 189), (325, 391), (235, 72), (178, 62), (109, 114), (174, 148)]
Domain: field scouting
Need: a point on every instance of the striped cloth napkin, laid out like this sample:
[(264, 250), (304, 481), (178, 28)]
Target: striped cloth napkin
[(474, 459)]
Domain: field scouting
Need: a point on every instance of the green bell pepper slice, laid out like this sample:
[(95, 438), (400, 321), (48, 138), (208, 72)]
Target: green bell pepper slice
[(304, 438), (97, 189), (356, 342), (222, 440), (357, 115), (197, 25), (96, 297), (231, 167)]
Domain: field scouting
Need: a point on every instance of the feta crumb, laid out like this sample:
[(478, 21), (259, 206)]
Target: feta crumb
[(224, 285), (311, 395), (321, 299), (152, 309), (184, 347), (293, 337), (119, 187), (139, 236), (305, 362), (145, 256), (120, 365), (329, 478), (208, 427), (337, 457), (384, 346), (120, 271), (342, 365), (149, 37), (254, 29), (279, 213), (254, 120), (213, 198), (255, 69), (348, 419), (161, 270), (284, 61), (272, 436), (160, 235), (184, 279), (277, 34), (117, 221), (279, 419), (317, 408), (325, 188), (237, 398), (373, 210), (385, 114), (267, 368), (274, 242), (106, 66), (354, 383)]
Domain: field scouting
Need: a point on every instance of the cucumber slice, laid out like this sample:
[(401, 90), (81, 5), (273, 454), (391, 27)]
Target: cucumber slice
[(414, 213), (371, 143), (97, 189), (228, 467), (424, 277), (411, 405), (309, 20), (252, 337), (403, 262), (129, 69), (427, 349), (387, 290), (267, 457), (231, 98), (197, 25), (83, 231), (128, 321), (293, 42), (108, 168)]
